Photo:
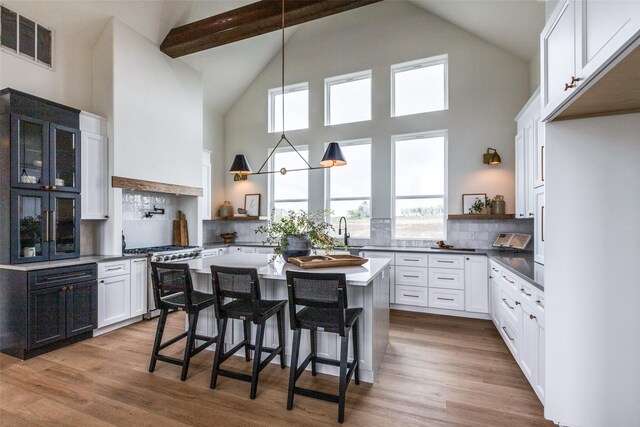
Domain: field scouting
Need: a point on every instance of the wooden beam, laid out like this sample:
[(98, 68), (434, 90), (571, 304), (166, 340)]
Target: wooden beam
[(249, 21), (156, 187)]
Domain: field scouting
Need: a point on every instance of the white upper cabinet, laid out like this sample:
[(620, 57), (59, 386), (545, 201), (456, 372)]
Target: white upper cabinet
[(94, 152), (205, 200), (529, 137)]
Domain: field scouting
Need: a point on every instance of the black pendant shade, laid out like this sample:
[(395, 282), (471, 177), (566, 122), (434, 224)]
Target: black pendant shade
[(333, 156), (240, 165)]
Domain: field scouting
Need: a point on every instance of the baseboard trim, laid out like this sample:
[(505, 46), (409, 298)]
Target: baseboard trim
[(456, 313)]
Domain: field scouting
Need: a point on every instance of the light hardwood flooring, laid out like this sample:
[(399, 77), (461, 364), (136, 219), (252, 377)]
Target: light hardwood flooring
[(438, 371)]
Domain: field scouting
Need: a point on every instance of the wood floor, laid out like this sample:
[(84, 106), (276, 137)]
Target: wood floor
[(438, 371)]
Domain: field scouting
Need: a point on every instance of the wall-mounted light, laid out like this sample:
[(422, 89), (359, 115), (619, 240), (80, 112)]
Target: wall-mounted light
[(491, 157), (332, 155)]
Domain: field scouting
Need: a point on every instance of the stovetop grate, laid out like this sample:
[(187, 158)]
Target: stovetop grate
[(154, 249)]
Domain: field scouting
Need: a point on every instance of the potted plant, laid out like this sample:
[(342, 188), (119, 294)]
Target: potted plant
[(30, 231), (481, 207), (296, 233)]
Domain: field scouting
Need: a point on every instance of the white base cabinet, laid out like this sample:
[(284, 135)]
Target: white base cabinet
[(139, 286), (476, 293), (122, 291)]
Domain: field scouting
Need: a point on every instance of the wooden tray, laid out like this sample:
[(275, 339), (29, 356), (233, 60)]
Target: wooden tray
[(326, 261)]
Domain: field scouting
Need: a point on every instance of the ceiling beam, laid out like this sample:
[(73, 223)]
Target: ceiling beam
[(248, 21)]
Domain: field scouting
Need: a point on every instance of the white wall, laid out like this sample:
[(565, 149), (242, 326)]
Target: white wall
[(213, 140), (487, 88), (592, 273)]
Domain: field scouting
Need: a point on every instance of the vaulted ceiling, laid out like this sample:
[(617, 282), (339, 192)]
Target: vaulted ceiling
[(513, 25)]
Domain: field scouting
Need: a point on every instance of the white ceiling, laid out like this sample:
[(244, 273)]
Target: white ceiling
[(513, 25)]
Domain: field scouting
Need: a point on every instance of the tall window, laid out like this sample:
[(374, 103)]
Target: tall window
[(419, 86), (348, 188), (296, 104), (290, 191), (348, 98), (419, 202)]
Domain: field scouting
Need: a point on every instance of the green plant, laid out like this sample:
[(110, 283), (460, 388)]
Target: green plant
[(299, 223), (30, 230), (478, 205)]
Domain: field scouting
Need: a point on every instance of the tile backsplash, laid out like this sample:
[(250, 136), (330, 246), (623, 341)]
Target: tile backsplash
[(155, 231), (245, 230)]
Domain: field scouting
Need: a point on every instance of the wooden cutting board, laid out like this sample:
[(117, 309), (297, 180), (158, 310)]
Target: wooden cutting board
[(180, 230), (326, 261)]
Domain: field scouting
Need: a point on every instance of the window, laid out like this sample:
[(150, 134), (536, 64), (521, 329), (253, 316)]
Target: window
[(296, 104), (26, 38), (348, 188), (419, 188), (419, 86), (347, 98), (290, 191)]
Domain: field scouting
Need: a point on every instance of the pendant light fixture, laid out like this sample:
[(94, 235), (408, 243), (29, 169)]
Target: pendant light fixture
[(332, 156)]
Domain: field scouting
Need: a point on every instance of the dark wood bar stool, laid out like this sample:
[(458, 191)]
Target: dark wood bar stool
[(243, 285), (324, 297), (173, 289)]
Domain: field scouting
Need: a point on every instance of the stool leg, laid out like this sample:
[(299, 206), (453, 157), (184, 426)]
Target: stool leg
[(356, 350), (280, 320), (313, 335), (257, 357), (344, 353), (222, 328), (162, 320), (189, 346), (247, 337), (293, 367)]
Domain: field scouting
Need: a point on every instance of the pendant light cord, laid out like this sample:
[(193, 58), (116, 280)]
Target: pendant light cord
[(282, 68)]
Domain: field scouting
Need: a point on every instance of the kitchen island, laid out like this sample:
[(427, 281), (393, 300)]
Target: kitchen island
[(368, 287)]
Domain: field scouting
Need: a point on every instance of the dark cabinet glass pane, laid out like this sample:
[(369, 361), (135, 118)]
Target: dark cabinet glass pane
[(30, 152), (30, 216), (44, 45), (65, 155), (27, 37), (9, 24), (64, 220)]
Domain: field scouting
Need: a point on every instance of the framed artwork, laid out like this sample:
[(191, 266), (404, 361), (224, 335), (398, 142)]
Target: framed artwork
[(252, 204), (469, 199)]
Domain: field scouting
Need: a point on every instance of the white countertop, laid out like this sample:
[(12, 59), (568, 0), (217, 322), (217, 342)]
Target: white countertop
[(84, 259), (356, 276)]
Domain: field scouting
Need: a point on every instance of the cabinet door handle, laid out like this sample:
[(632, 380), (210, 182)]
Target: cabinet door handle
[(53, 225), (568, 86), (494, 269), (445, 299), (62, 289), (138, 261), (542, 222), (101, 281), (69, 288), (530, 213), (517, 302), (46, 233), (507, 279), (504, 300), (542, 163), (524, 292), (575, 79), (507, 333), (53, 187), (531, 316), (446, 278), (46, 187)]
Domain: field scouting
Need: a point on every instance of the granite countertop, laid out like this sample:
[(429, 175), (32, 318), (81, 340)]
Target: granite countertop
[(356, 275), (85, 259)]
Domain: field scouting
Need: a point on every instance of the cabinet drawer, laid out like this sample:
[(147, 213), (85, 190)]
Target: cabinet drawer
[(412, 259), (526, 291), (509, 280), (511, 335), (61, 276), (446, 278), (411, 295), (388, 255), (446, 261), (411, 276), (114, 268), (510, 307), (449, 299), (494, 270)]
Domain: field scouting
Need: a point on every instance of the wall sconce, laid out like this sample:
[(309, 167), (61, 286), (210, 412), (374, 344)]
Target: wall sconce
[(491, 157)]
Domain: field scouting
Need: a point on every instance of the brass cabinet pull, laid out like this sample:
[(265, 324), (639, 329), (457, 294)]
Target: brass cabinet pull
[(62, 289), (53, 225), (575, 79), (46, 187), (507, 333), (524, 292), (504, 300), (568, 86), (69, 288), (46, 234), (53, 187)]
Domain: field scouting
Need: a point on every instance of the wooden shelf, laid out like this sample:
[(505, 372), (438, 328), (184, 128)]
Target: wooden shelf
[(239, 218), (480, 216)]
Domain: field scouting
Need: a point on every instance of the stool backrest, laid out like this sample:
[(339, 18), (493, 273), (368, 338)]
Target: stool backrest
[(317, 290), (168, 279), (236, 283)]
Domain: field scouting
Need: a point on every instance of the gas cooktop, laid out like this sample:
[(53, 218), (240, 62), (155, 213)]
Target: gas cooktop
[(157, 249)]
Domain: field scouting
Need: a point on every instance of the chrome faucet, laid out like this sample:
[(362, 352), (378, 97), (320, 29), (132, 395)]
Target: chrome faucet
[(346, 234)]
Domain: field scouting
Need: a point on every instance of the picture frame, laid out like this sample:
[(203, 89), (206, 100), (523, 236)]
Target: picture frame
[(252, 204), (469, 199)]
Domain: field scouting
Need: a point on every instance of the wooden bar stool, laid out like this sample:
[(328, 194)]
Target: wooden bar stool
[(173, 289), (242, 284), (324, 297)]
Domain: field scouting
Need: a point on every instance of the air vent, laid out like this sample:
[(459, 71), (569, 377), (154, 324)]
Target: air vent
[(25, 38)]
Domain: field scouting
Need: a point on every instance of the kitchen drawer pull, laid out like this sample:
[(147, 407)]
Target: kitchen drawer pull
[(507, 333), (411, 259), (413, 277), (444, 261), (531, 316), (64, 276), (412, 296), (138, 261), (504, 300), (524, 292), (446, 278), (494, 269), (114, 268), (445, 299), (507, 279)]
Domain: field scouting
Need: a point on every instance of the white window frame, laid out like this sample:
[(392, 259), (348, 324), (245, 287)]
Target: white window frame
[(271, 188), (327, 179), (23, 56), (272, 93), (420, 135), (345, 78), (420, 63)]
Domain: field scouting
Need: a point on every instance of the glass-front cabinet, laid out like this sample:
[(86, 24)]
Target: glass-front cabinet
[(45, 156), (65, 224)]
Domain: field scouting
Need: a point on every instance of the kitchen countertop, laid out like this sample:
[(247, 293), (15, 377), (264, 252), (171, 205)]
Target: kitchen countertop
[(85, 259)]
